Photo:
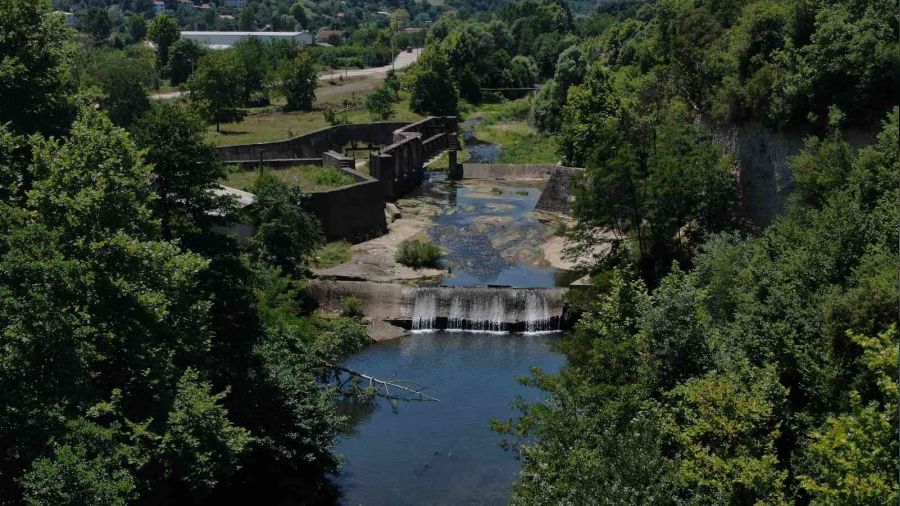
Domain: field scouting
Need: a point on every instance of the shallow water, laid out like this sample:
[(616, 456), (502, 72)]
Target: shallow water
[(444, 453), (493, 239), (480, 151), (440, 452)]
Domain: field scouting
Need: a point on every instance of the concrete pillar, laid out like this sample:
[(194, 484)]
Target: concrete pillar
[(454, 171)]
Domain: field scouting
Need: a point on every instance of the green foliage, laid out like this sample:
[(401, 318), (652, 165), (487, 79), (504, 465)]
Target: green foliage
[(417, 254), (163, 32), (380, 103), (96, 22), (351, 307), (36, 71), (185, 170), (287, 234), (749, 378), (123, 80), (201, 444), (297, 80), (851, 458), (183, 59), (522, 73), (217, 88), (431, 86), (332, 254), (332, 178), (662, 181)]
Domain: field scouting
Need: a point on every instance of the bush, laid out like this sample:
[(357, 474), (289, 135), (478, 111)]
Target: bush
[(416, 253), (351, 307)]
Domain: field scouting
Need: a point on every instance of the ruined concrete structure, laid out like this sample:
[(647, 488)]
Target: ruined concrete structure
[(355, 212)]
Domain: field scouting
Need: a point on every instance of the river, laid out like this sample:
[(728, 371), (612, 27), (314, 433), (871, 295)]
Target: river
[(444, 453)]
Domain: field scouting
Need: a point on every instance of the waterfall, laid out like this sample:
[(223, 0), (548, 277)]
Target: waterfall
[(481, 309), (424, 313)]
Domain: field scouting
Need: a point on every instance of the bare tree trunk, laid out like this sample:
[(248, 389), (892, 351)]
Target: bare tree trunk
[(383, 387)]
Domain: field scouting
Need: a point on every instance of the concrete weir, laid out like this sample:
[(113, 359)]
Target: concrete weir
[(393, 309), (486, 309)]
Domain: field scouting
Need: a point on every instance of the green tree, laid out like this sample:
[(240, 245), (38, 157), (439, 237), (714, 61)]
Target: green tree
[(217, 88), (200, 442), (299, 14), (380, 103), (186, 170), (287, 234), (95, 21), (431, 85), (124, 81), (137, 27), (522, 73), (163, 32), (296, 81), (36, 73), (183, 59)]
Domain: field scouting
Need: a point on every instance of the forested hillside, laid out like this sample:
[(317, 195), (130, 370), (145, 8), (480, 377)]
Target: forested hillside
[(717, 363), (145, 359)]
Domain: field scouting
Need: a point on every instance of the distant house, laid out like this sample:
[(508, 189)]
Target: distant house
[(159, 7), (225, 40), (333, 37), (235, 4)]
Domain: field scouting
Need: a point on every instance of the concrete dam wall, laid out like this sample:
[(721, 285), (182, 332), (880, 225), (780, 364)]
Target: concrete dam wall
[(486, 309)]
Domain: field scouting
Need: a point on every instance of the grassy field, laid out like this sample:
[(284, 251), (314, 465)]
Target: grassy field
[(265, 124), (308, 177), (506, 123), (520, 142)]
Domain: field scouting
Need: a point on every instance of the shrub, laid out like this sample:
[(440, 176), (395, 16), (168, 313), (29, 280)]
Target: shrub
[(351, 307), (416, 253)]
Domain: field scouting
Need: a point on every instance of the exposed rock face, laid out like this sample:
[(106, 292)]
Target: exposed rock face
[(763, 156), (559, 193)]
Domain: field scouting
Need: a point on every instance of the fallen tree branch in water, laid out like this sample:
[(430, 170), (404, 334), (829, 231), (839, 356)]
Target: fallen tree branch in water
[(385, 385)]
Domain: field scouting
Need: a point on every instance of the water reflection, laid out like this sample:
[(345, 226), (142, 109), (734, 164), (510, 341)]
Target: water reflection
[(443, 452)]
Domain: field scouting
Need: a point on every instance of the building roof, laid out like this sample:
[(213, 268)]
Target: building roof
[(242, 199)]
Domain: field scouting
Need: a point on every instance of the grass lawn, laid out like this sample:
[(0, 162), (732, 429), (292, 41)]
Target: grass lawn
[(308, 177), (506, 123), (265, 124), (520, 142), (331, 254)]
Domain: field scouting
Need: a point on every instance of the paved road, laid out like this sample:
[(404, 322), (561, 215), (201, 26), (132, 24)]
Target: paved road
[(402, 60)]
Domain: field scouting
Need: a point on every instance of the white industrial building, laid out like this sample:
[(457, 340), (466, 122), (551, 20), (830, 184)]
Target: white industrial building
[(225, 40)]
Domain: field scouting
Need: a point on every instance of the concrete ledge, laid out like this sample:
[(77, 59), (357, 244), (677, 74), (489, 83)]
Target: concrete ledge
[(508, 171)]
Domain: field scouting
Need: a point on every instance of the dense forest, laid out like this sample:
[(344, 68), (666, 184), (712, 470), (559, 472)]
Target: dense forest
[(717, 362), (146, 359)]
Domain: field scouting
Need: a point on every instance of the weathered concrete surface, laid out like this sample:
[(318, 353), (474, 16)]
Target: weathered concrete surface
[(559, 193), (373, 260), (353, 212), (507, 171), (381, 303)]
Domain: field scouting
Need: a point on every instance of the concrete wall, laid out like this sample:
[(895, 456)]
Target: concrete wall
[(559, 192), (400, 165), (354, 212), (313, 144), (557, 195), (763, 156), (508, 171)]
